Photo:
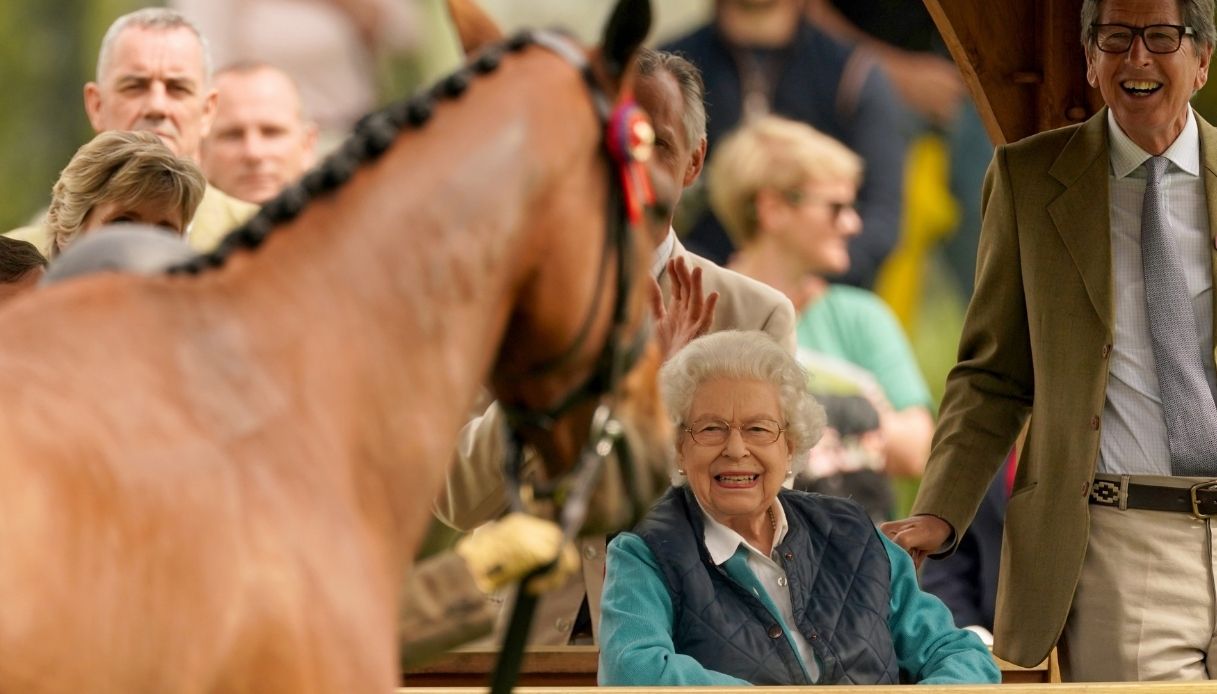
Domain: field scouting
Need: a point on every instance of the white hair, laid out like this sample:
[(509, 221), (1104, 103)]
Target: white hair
[(748, 355), (158, 18)]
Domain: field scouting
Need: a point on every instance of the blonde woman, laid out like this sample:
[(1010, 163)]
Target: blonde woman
[(121, 176), (785, 193)]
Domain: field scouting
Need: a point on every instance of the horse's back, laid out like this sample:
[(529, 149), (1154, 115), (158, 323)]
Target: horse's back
[(144, 543), (142, 573), (108, 571)]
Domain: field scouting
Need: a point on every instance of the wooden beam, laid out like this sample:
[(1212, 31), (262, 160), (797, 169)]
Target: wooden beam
[(993, 43), (1022, 62), (1065, 96)]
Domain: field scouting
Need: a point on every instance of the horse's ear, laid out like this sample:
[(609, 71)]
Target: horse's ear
[(475, 28), (624, 33)]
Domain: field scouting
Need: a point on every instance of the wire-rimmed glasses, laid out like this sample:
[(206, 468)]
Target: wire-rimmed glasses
[(715, 432)]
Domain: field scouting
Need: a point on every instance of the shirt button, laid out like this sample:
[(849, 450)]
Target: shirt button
[(813, 636), (1106, 350), (589, 552), (788, 556), (775, 631), (1085, 489), (782, 581), (562, 624), (1094, 422)]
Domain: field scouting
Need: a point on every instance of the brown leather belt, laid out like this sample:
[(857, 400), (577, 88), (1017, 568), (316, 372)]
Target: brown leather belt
[(1200, 500)]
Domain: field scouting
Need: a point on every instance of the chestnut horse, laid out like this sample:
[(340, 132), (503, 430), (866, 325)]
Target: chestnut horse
[(215, 480)]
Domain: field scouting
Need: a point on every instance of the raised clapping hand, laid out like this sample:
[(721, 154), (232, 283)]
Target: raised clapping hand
[(920, 536), (689, 313)]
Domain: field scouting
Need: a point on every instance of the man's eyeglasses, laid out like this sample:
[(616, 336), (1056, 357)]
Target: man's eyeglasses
[(835, 207), (1158, 38), (715, 432)]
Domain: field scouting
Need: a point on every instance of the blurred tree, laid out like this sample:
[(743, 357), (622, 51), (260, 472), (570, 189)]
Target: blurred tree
[(47, 52)]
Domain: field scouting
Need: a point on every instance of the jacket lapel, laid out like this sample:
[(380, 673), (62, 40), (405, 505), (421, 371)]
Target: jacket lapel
[(1080, 213), (1208, 152)]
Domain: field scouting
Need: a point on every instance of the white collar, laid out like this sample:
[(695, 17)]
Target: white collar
[(1126, 156), (663, 253), (722, 542)]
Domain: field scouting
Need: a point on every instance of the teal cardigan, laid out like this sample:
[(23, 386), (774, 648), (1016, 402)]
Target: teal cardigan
[(636, 646)]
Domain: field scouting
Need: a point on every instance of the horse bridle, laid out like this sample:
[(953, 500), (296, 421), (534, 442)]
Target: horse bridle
[(626, 132), (628, 191)]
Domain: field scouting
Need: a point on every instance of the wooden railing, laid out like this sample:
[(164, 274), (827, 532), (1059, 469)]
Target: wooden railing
[(575, 666), (555, 666), (1091, 688)]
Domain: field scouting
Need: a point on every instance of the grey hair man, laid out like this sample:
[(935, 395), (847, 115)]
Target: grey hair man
[(1093, 316), (154, 73)]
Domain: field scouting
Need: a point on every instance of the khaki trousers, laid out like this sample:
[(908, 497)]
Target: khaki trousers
[(1144, 607)]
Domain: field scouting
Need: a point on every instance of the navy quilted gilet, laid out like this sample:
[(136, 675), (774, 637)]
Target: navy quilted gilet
[(839, 578)]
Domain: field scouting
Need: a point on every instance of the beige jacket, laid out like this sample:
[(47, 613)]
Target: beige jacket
[(218, 214), (475, 491), (1035, 343)]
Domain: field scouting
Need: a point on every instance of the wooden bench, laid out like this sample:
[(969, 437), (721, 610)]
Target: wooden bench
[(575, 666)]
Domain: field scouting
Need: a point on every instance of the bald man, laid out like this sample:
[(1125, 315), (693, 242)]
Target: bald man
[(260, 140)]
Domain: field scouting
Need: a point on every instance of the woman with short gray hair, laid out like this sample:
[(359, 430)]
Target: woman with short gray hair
[(732, 579), (745, 355)]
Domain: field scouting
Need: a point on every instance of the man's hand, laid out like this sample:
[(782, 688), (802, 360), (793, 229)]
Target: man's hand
[(928, 83), (920, 536), (506, 550), (689, 313)]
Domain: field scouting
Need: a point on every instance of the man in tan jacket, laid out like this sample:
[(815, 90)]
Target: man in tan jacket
[(1108, 546), (154, 73), (669, 88)]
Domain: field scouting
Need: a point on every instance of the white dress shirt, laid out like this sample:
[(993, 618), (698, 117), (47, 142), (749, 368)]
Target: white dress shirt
[(722, 543), (659, 260), (1133, 439)]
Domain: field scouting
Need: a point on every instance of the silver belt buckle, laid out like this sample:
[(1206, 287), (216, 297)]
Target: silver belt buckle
[(1203, 486)]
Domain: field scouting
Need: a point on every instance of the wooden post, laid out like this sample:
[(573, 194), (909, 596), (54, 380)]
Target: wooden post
[(1022, 61)]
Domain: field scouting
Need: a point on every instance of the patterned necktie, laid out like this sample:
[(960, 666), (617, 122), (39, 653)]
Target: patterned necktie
[(1187, 402)]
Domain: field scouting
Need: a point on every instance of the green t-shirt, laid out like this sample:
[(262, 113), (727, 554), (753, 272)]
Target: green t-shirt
[(855, 325)]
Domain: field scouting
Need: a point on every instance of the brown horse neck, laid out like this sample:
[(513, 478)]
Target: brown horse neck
[(394, 291)]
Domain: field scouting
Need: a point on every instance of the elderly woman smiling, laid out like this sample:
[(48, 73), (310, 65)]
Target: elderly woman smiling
[(732, 579)]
